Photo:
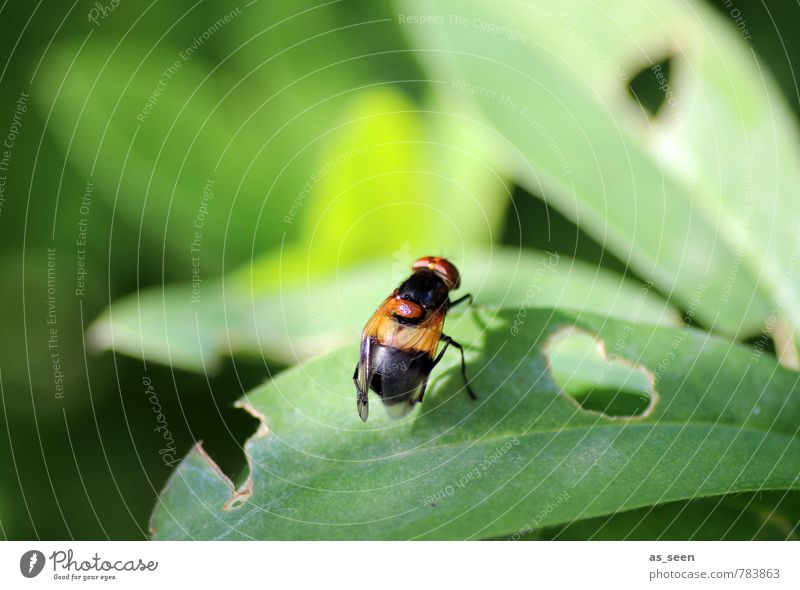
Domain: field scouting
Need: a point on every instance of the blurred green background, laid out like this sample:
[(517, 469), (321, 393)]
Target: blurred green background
[(251, 121)]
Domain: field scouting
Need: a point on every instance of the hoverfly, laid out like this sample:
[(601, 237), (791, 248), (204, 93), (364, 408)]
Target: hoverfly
[(399, 342)]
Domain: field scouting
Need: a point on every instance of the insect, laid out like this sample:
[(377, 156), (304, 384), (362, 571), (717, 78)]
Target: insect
[(399, 342)]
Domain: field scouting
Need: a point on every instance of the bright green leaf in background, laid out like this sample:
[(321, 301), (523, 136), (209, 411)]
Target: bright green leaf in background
[(725, 422), (399, 179), (300, 317)]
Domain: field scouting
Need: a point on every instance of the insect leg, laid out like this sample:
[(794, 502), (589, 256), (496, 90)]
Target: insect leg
[(447, 342), (467, 297), (422, 389)]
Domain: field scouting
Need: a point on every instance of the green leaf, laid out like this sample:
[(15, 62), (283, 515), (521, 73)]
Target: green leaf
[(522, 455), (696, 199), (281, 310), (767, 516)]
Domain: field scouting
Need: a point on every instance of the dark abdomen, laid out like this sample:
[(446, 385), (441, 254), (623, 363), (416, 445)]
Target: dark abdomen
[(399, 374)]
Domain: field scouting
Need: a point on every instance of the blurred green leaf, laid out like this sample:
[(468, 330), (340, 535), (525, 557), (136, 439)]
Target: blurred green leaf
[(522, 456), (396, 177), (152, 136), (44, 370), (696, 200), (273, 310)]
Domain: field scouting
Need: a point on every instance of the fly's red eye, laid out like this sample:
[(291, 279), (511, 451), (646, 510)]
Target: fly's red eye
[(441, 267), (424, 262)]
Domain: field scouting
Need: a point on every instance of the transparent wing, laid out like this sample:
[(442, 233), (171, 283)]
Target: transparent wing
[(364, 373)]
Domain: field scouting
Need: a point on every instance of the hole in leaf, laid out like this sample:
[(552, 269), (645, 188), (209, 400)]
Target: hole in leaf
[(597, 381), (612, 402), (651, 86), (762, 343), (194, 408), (226, 445)]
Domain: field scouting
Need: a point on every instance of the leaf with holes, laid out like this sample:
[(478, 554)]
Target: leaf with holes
[(698, 199), (521, 457)]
